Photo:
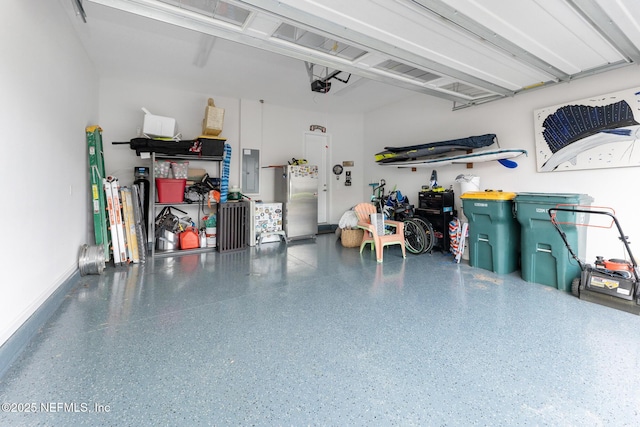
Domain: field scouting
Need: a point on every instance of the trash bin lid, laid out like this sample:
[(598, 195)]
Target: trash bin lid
[(488, 195), (554, 198)]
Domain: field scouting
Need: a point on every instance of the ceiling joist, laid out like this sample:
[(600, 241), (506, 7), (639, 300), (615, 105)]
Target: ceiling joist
[(465, 51)]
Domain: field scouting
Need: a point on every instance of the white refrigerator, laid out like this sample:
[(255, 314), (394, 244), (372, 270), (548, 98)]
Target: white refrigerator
[(296, 187)]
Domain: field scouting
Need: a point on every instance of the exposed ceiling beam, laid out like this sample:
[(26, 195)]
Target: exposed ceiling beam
[(249, 36), (326, 26), (490, 36), (77, 6), (601, 20), (466, 51)]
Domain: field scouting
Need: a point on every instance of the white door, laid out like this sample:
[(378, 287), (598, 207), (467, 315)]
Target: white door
[(316, 148)]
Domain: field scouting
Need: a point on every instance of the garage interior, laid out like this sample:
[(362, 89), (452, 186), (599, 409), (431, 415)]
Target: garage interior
[(307, 333)]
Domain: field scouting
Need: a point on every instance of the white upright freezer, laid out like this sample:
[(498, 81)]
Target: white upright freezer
[(296, 187)]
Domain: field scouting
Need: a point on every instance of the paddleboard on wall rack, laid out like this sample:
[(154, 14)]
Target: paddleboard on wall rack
[(432, 149), (478, 156)]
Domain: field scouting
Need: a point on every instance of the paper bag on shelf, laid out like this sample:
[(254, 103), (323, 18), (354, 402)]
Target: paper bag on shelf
[(213, 119)]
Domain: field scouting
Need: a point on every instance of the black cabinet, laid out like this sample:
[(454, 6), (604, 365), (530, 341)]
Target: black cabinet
[(437, 208)]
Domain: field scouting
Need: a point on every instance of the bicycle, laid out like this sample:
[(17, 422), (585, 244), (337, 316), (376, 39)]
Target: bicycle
[(429, 233), (418, 232)]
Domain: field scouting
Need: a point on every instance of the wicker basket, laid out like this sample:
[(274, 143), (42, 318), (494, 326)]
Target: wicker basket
[(351, 237)]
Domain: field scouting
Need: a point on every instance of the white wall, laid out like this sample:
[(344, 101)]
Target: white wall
[(49, 95), (348, 143), (420, 120), (283, 138), (278, 132), (51, 92), (121, 119)]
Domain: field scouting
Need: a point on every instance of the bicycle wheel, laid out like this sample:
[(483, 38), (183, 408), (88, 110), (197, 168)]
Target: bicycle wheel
[(428, 230), (415, 237)]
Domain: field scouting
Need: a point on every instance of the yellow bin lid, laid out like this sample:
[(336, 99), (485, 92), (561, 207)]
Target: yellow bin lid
[(219, 138), (489, 195)]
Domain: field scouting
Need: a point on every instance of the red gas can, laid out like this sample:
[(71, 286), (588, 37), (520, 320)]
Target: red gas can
[(189, 239)]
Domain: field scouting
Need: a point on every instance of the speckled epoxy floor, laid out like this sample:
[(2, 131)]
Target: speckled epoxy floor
[(315, 334)]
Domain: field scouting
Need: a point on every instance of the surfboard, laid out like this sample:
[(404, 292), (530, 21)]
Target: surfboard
[(432, 149), (478, 156)]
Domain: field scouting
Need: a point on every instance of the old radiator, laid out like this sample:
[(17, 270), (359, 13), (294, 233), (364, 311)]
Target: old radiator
[(233, 226)]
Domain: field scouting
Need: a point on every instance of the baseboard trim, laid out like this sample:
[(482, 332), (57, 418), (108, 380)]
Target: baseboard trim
[(16, 344), (327, 228)]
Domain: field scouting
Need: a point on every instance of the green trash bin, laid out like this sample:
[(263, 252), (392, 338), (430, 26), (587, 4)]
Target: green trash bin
[(494, 233), (545, 258)]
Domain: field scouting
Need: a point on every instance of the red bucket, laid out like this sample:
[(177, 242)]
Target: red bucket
[(170, 190)]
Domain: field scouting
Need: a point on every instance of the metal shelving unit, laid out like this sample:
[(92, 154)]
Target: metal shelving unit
[(154, 206)]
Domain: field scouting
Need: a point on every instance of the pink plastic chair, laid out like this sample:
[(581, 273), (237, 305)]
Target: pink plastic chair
[(395, 237)]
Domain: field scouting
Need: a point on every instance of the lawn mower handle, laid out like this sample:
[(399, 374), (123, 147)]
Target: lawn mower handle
[(552, 215)]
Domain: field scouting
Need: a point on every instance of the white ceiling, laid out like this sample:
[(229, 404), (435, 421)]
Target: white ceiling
[(465, 51)]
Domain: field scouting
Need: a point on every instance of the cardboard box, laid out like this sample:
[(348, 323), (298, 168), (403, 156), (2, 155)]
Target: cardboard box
[(213, 119), (158, 126)]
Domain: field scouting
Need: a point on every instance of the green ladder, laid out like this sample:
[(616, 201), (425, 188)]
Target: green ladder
[(96, 168)]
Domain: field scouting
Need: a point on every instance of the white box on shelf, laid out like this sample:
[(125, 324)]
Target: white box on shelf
[(158, 126)]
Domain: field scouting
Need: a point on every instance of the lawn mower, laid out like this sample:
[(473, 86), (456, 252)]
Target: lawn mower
[(610, 282)]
